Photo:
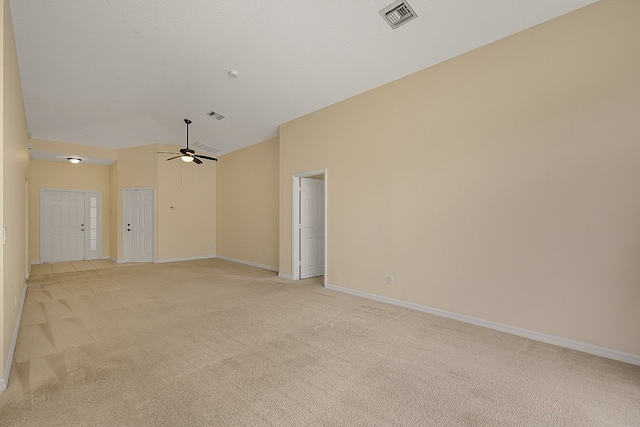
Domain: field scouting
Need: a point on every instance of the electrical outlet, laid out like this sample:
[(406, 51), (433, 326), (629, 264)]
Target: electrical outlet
[(389, 280)]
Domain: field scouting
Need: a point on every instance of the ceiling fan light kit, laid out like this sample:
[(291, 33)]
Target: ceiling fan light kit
[(188, 155), (74, 160)]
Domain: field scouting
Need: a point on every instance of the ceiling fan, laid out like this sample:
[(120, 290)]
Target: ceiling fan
[(187, 154)]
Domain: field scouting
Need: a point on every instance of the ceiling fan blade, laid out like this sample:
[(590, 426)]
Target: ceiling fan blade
[(197, 161), (205, 157), (171, 158), (166, 152)]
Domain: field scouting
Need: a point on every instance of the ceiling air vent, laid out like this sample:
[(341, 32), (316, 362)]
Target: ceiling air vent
[(200, 146), (398, 13), (215, 115)]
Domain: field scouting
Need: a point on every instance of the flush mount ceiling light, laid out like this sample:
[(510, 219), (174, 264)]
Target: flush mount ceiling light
[(233, 74), (74, 160)]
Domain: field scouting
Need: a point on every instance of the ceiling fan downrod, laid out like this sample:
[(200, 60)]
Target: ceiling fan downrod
[(188, 122)]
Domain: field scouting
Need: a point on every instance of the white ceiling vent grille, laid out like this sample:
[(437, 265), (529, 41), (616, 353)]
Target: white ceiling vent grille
[(200, 146), (215, 115), (398, 13)]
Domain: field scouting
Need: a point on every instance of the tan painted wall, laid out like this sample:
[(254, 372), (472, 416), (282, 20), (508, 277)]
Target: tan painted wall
[(113, 211), (191, 191), (14, 173), (186, 232), (247, 204), (186, 208), (137, 167), (71, 149), (502, 184), (53, 175)]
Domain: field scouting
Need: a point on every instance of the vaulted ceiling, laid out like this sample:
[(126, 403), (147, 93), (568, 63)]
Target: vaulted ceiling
[(122, 73)]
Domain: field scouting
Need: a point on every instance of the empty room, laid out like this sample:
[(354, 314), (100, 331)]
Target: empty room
[(340, 213)]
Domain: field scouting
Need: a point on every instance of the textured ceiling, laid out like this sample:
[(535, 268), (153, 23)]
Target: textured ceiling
[(122, 73)]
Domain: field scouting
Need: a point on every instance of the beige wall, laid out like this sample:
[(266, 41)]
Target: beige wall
[(73, 150), (113, 211), (502, 184), (54, 175), (247, 204), (137, 167), (14, 173), (186, 232), (186, 208)]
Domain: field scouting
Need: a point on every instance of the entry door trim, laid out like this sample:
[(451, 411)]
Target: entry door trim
[(295, 237), (125, 256), (96, 254)]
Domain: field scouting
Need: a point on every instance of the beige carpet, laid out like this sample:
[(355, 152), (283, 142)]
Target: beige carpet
[(216, 343)]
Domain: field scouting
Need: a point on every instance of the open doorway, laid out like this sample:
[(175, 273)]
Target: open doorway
[(309, 243)]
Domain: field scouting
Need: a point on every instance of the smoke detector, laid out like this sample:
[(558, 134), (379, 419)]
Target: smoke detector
[(398, 13)]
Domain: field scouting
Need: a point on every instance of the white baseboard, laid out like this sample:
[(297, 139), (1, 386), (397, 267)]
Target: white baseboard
[(287, 276), (36, 262), (195, 258), (12, 348), (117, 261), (620, 356), (253, 264)]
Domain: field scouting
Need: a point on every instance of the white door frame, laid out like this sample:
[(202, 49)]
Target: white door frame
[(295, 228), (124, 221), (86, 235)]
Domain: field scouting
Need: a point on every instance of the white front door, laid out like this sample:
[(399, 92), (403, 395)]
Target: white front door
[(311, 227), (138, 226), (62, 226)]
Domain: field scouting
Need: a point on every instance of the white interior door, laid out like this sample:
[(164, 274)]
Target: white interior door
[(62, 226), (311, 227), (138, 226)]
